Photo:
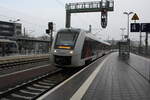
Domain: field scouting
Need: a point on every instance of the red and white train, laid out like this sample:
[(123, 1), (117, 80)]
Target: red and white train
[(75, 47)]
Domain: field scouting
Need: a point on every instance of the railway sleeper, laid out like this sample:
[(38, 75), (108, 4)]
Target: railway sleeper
[(45, 83), (21, 97), (29, 92), (41, 86), (35, 89), (24, 94)]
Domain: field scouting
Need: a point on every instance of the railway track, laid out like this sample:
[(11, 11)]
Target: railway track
[(13, 62), (35, 88)]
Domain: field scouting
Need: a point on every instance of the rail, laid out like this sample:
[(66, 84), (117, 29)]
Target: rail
[(36, 87), (20, 60)]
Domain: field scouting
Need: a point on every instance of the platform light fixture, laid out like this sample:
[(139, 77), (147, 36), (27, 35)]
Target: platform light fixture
[(128, 14)]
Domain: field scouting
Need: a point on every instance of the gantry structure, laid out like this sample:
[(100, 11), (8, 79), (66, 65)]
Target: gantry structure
[(103, 6)]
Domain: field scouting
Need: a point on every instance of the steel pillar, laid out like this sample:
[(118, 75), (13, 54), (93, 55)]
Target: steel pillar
[(146, 43)]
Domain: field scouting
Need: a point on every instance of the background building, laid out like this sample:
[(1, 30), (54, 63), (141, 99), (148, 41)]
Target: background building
[(10, 29), (26, 44)]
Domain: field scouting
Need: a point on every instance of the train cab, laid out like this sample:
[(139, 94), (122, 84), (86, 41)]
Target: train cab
[(74, 47)]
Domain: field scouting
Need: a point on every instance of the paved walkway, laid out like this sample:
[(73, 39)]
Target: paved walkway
[(140, 64), (120, 80)]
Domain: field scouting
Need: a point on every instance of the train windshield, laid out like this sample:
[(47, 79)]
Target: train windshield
[(66, 40)]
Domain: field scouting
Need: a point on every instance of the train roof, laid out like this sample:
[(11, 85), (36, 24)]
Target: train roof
[(75, 30), (88, 34)]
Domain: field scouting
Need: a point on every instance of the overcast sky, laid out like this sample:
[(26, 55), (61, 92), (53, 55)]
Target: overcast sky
[(35, 14)]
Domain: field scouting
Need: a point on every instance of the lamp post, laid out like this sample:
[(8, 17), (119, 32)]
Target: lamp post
[(128, 14)]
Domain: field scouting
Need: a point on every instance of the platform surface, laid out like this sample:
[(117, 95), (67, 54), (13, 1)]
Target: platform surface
[(109, 79), (121, 80)]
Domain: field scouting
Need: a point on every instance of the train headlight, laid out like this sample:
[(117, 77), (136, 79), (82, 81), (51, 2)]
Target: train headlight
[(55, 51), (71, 52)]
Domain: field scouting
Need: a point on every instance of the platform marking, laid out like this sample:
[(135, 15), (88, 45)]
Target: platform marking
[(82, 90), (64, 82)]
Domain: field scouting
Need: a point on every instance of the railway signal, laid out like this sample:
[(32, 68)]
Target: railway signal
[(104, 18), (50, 26), (49, 31), (103, 6)]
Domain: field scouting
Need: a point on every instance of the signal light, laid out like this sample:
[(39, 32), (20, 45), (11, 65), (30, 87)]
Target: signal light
[(104, 19), (50, 26), (47, 31)]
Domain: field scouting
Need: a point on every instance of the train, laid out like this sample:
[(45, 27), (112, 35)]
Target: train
[(73, 47), (8, 47)]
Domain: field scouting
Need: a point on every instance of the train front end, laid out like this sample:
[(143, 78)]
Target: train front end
[(63, 51)]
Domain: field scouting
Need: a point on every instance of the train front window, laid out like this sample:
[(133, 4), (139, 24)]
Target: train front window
[(66, 40)]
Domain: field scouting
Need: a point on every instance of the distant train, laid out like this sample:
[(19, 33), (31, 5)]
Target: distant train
[(8, 47), (75, 47)]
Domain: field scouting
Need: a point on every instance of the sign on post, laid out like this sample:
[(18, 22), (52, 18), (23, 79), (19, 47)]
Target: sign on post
[(135, 17), (135, 27), (145, 27), (140, 27)]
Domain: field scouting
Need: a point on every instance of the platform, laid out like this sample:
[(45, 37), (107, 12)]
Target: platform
[(111, 79)]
